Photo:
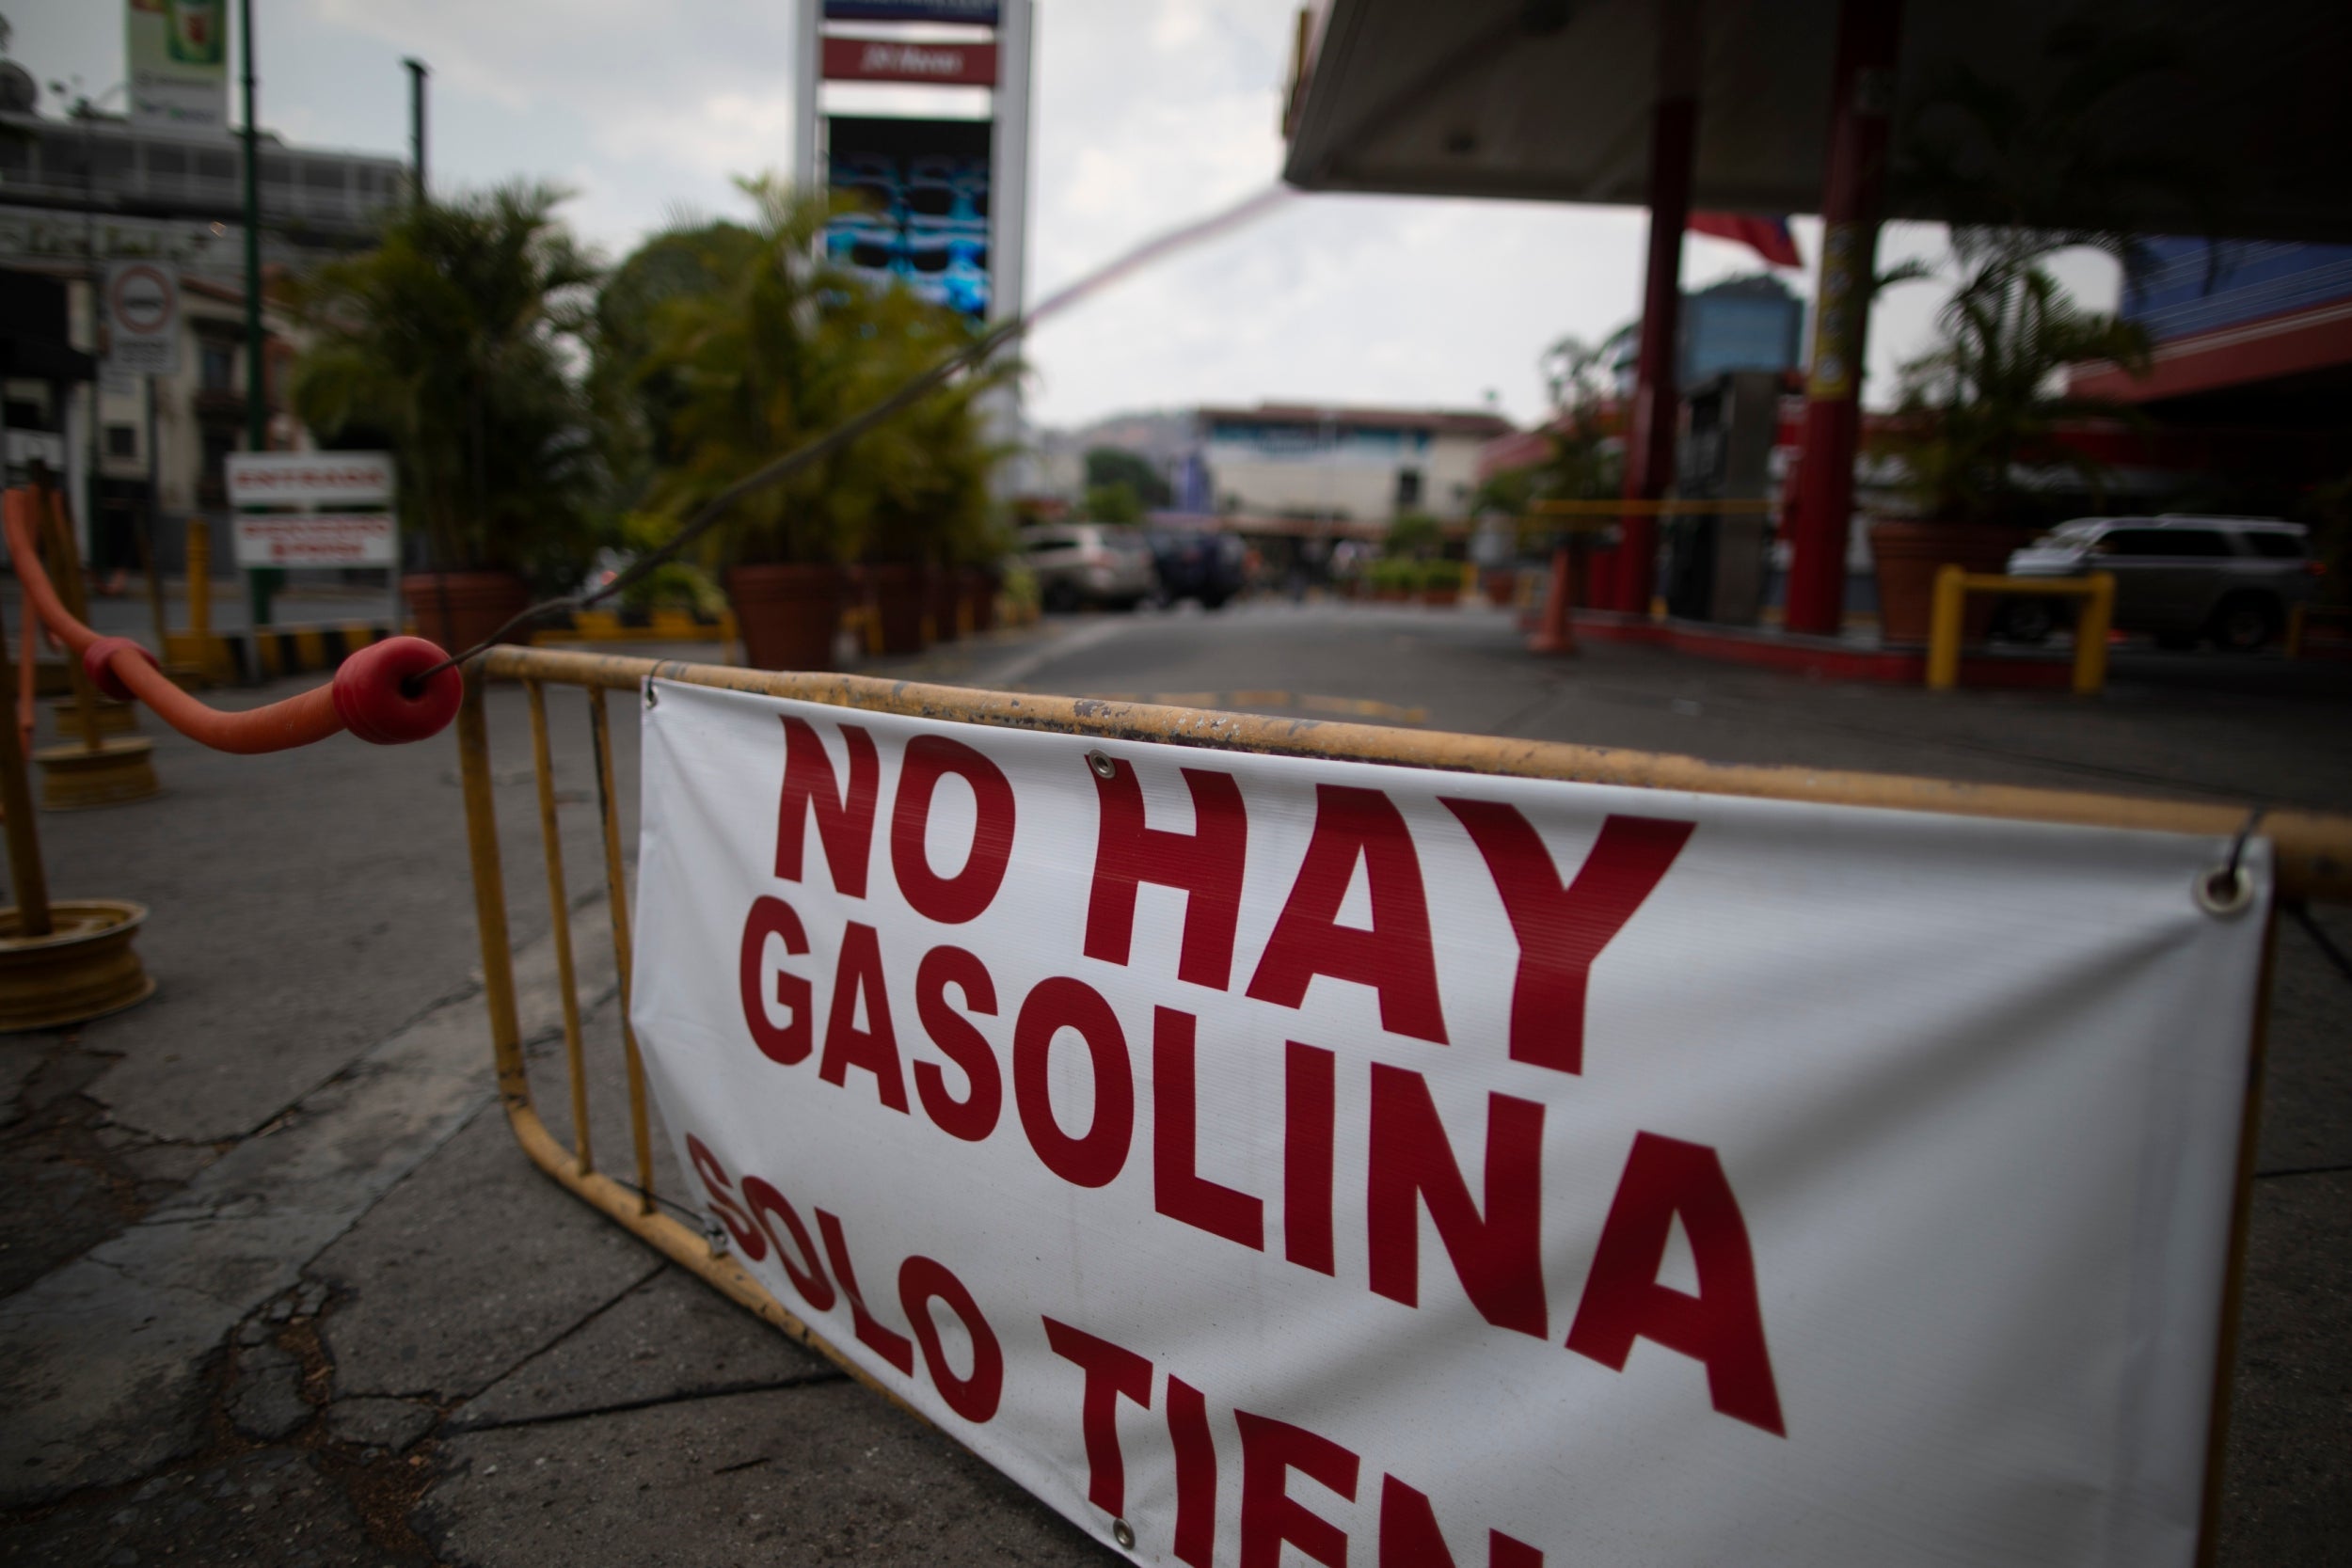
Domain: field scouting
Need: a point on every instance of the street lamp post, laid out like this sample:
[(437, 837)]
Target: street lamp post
[(417, 74), (85, 110), (262, 583)]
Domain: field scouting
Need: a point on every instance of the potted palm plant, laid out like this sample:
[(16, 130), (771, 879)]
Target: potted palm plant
[(2022, 180), (746, 343), (452, 341), (1978, 425)]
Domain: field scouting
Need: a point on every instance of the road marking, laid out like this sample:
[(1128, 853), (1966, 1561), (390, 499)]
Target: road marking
[(1022, 666)]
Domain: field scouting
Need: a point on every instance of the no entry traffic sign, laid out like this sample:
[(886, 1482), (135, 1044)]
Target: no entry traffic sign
[(143, 311)]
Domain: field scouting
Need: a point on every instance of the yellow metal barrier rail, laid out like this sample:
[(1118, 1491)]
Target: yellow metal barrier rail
[(1668, 506), (1953, 586), (2312, 853)]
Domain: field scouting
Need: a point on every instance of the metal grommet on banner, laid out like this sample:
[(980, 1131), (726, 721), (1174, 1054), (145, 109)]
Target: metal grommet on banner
[(2227, 891), (716, 1235), (651, 701), (1124, 1534), (1101, 764)]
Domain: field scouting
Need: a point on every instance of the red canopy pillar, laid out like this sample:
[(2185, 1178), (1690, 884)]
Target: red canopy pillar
[(1649, 457), (1853, 200), (1623, 578)]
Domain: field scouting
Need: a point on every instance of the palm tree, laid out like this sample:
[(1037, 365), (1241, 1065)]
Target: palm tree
[(454, 339), (1980, 407), (742, 342), (2022, 178)]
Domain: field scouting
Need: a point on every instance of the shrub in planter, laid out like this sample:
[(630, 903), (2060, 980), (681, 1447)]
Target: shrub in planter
[(1394, 581), (743, 342), (1441, 583), (453, 342), (2023, 177)]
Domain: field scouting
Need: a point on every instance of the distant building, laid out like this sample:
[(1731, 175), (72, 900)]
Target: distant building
[(79, 194), (1743, 324), (311, 199), (1360, 465), (1747, 324)]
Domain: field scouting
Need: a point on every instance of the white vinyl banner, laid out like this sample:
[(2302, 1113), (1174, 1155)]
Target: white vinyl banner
[(1271, 1162)]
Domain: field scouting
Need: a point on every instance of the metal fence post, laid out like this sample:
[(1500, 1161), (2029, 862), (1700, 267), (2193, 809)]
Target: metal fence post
[(1951, 596), (2091, 636)]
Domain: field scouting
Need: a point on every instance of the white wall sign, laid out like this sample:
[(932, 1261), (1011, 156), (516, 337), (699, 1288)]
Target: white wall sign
[(311, 478), (1318, 1162), (334, 539), (142, 320)]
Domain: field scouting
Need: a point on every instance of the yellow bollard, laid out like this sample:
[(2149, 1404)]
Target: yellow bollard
[(201, 584), (2091, 636), (1944, 628), (189, 656)]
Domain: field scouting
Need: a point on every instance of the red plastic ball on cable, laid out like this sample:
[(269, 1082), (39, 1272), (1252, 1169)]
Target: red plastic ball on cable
[(369, 697), (98, 663)]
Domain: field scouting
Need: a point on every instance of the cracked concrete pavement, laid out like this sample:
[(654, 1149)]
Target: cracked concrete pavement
[(280, 1289)]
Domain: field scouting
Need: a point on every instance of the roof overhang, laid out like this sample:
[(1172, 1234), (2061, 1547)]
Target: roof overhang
[(1549, 100)]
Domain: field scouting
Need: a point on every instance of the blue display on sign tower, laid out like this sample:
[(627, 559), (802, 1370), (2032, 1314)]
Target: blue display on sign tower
[(922, 193)]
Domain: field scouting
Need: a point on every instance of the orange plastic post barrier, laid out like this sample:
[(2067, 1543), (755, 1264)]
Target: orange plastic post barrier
[(367, 696)]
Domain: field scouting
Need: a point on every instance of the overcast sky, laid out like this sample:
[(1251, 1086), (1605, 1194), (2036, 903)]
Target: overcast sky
[(1148, 112)]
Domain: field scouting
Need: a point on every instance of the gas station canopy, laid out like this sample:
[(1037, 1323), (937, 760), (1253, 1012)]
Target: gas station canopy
[(1551, 99)]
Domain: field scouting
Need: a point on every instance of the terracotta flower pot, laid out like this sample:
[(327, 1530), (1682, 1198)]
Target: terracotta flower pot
[(942, 592), (896, 592), (458, 610), (1499, 587), (1908, 553), (979, 593), (786, 615)]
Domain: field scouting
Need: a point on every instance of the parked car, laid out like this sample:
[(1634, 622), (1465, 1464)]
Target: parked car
[(1194, 563), (1087, 563), (2182, 577)]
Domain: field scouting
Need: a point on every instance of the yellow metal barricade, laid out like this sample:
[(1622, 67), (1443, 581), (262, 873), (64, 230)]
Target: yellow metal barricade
[(1952, 587), (2312, 853)]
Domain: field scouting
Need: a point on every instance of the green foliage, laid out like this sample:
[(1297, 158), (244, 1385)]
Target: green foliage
[(1415, 535), (1107, 466), (1394, 573), (2023, 177), (1019, 588), (740, 343), (1979, 405), (2023, 172), (675, 585), (1442, 573), (452, 341), (1115, 503), (1587, 459)]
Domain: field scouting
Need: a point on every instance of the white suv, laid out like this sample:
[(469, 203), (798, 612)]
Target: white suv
[(2181, 577), (1083, 563)]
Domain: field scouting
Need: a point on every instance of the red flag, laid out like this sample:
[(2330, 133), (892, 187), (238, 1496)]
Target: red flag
[(1768, 237)]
